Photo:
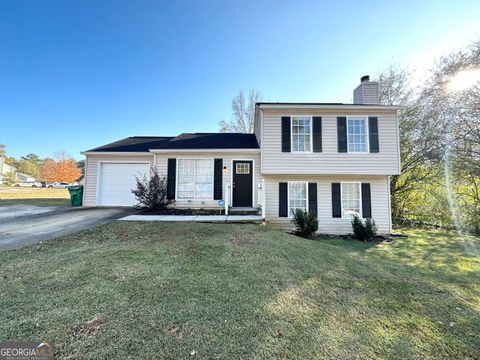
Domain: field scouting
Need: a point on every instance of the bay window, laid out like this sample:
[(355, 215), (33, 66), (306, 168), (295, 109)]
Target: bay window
[(195, 179)]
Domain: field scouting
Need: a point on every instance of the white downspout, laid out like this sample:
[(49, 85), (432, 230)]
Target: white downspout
[(227, 197), (264, 202)]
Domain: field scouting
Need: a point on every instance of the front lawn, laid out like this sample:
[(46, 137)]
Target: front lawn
[(34, 196), (190, 290)]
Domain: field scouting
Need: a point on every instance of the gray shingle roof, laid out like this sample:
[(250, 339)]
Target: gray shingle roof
[(182, 141)]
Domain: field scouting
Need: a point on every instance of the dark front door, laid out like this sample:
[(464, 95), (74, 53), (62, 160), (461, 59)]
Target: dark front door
[(242, 183)]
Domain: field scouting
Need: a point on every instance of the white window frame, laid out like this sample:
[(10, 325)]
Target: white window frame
[(311, 134), (367, 135), (290, 215), (359, 194), (247, 164), (177, 178)]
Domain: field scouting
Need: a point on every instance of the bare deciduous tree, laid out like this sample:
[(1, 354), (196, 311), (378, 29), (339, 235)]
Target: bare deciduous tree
[(243, 113)]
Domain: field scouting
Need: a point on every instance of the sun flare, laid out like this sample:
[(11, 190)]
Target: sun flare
[(464, 79)]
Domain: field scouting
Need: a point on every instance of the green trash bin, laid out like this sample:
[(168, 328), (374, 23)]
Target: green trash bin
[(76, 195)]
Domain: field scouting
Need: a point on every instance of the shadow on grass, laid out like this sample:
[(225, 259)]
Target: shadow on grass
[(371, 307), (161, 290)]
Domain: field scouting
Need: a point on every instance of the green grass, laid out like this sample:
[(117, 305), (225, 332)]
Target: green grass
[(34, 196), (162, 290)]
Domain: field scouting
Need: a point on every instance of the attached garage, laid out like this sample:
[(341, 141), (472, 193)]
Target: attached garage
[(116, 181)]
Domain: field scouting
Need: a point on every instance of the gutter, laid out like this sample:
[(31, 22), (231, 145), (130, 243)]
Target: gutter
[(204, 150), (331, 107), (128, 153)]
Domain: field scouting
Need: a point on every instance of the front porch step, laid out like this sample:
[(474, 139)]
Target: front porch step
[(244, 211)]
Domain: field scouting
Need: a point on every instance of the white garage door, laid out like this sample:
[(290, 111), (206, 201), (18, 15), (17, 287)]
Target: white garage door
[(116, 181)]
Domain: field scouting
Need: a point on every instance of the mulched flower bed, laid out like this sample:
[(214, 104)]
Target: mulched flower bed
[(182, 212)]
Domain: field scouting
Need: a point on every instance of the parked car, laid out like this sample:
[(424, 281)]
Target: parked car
[(58, 185), (28, 184)]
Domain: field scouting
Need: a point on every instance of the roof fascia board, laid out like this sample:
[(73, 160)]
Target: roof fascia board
[(204, 150), (332, 107), (119, 153)]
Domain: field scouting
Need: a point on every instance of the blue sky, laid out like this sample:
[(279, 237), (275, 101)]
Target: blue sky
[(79, 74)]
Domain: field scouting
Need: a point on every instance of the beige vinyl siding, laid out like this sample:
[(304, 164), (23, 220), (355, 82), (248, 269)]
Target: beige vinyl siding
[(330, 162), (366, 93), (91, 166), (380, 202), (162, 166)]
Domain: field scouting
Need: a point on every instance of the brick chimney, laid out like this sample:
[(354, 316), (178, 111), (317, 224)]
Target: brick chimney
[(366, 92)]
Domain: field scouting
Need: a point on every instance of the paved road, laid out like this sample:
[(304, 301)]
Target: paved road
[(22, 225)]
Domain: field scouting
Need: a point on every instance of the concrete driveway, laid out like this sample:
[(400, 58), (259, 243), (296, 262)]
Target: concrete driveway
[(22, 225)]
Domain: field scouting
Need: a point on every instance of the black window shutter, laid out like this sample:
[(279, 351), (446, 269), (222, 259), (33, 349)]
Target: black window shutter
[(336, 201), (342, 134), (312, 198), (282, 199), (366, 201), (373, 134), (217, 179), (286, 146), (317, 134), (171, 177)]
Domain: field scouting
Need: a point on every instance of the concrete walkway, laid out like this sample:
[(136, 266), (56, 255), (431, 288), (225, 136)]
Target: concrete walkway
[(195, 218)]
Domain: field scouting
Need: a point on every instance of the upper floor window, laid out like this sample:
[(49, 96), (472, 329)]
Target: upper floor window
[(357, 129), (301, 134), (195, 179)]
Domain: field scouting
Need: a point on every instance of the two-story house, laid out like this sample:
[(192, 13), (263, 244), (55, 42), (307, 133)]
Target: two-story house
[(330, 158)]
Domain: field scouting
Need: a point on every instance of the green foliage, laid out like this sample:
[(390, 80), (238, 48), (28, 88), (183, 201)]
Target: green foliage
[(81, 165), (439, 143), (10, 178), (306, 223), (151, 192), (364, 230), (28, 167), (370, 228)]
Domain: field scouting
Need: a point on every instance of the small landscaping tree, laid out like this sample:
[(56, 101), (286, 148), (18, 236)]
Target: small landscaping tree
[(10, 178), (364, 231), (306, 223), (151, 192)]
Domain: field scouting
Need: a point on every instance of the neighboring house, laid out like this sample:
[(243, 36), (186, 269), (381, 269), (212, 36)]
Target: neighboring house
[(25, 178), (330, 158), (4, 169)]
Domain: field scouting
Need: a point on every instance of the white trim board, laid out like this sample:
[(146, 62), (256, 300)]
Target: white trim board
[(117, 153), (204, 150), (333, 107)]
